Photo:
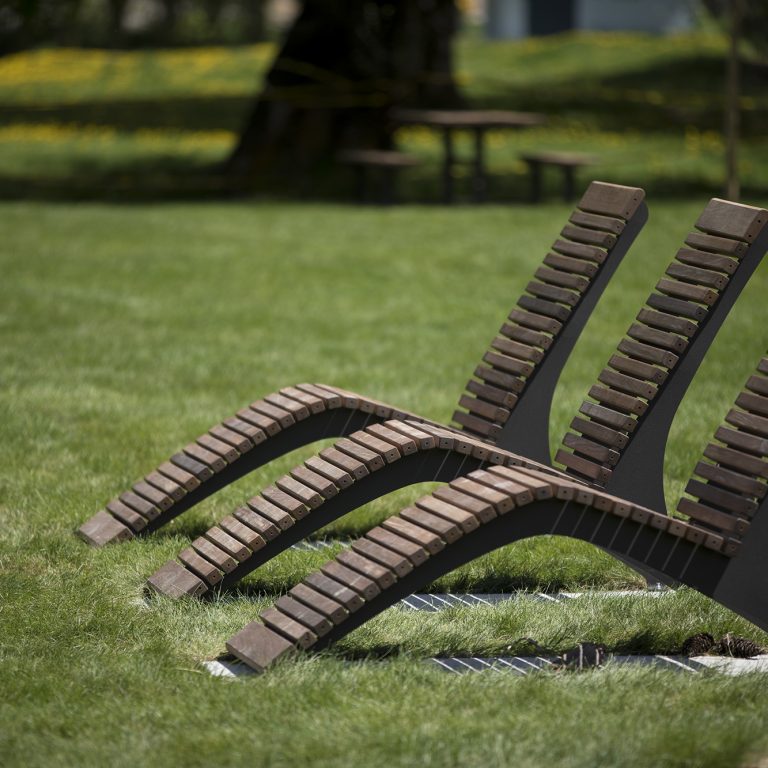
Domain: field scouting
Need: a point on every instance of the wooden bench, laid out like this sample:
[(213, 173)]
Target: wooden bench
[(504, 403), (567, 162), (377, 165), (636, 397)]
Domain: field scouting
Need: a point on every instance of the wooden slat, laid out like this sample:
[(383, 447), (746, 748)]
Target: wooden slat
[(295, 508), (628, 384), (272, 512), (611, 200), (517, 493), (679, 307), (618, 400), (243, 533), (518, 350), (501, 502), (563, 279), (492, 394), (508, 364), (227, 543), (335, 590), (605, 435), (730, 479), (126, 515), (608, 417), (582, 466), (190, 465), (748, 422), (737, 459), (667, 322), (170, 487), (269, 426), (284, 418), (609, 224), (482, 510), (430, 541), (600, 453), (742, 441), (466, 521), (423, 440), (382, 576), (526, 336), (357, 582), (208, 572), (298, 410), (705, 277), (753, 403), (140, 505), (638, 369), (331, 399), (315, 403), (211, 460), (288, 628), (221, 559), (186, 479), (482, 408), (260, 524), (258, 645), (727, 501), (553, 293), (687, 291), (304, 615), (389, 451), (726, 219), (371, 460), (404, 547), (236, 440), (758, 384), (581, 250), (252, 432), (153, 495), (445, 529), (716, 244), (500, 379), (398, 563), (720, 520), (648, 353), (654, 337), (544, 307), (568, 264), (219, 447), (337, 467), (333, 610), (534, 321), (707, 260), (589, 236), (541, 484), (322, 485), (304, 493), (405, 445)]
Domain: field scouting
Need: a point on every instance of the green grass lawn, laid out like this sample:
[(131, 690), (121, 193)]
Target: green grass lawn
[(126, 330)]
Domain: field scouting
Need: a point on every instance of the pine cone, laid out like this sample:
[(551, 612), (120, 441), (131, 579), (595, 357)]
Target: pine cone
[(738, 647), (698, 645)]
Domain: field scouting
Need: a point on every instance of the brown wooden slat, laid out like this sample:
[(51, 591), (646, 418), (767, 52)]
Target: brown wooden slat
[(687, 291), (170, 487), (534, 321), (544, 307), (501, 502), (667, 322), (405, 445), (492, 394), (304, 493), (343, 470), (125, 514), (426, 539), (553, 293), (211, 460), (208, 572), (139, 504), (707, 260), (482, 408), (716, 244), (589, 236), (190, 465), (638, 369), (423, 439), (236, 440), (186, 479), (563, 279), (266, 424), (296, 633), (298, 410), (445, 529), (388, 451), (611, 200), (608, 417), (737, 459), (295, 508), (508, 364), (314, 481), (396, 562), (657, 338), (734, 481), (518, 350), (333, 610), (618, 400), (582, 466), (273, 513), (742, 441), (748, 422), (315, 403), (258, 645), (373, 461), (727, 501), (260, 524), (304, 615), (221, 559), (159, 498), (715, 280), (250, 431), (243, 533), (726, 219), (283, 417), (335, 590), (720, 520), (581, 250), (466, 521), (628, 384), (498, 378), (753, 403), (608, 437), (384, 577), (218, 448), (568, 264), (526, 336), (229, 544), (609, 224), (591, 449), (674, 306), (648, 353), (482, 510), (402, 546), (357, 582), (758, 384), (331, 399)]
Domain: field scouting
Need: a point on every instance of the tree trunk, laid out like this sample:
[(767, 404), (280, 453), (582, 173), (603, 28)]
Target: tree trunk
[(343, 65)]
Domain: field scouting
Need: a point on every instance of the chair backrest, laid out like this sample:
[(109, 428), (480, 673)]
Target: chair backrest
[(509, 399), (671, 334)]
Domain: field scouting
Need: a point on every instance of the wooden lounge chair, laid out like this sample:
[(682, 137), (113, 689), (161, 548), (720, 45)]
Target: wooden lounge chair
[(617, 443), (719, 550), (507, 403)]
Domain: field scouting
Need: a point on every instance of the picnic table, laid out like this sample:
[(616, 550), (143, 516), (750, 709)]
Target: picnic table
[(479, 122)]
